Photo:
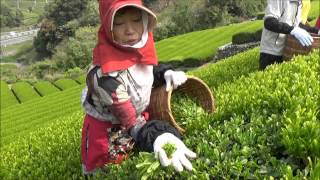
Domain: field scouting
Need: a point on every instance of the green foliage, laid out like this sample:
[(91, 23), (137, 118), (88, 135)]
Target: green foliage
[(76, 51), (65, 83), (183, 16), (50, 35), (62, 19), (315, 10), (6, 96), (244, 139), (20, 120), (43, 68), (90, 16), (24, 91), (169, 149), (49, 153), (290, 104), (63, 11), (81, 79), (45, 88), (73, 73), (9, 73), (230, 69), (10, 17)]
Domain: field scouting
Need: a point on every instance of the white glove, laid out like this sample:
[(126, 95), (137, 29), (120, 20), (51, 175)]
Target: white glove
[(302, 35), (175, 78), (179, 157), (84, 94)]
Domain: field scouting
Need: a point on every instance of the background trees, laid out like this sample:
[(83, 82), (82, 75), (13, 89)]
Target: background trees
[(10, 17), (61, 19)]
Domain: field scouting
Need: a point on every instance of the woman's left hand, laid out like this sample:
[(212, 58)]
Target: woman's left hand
[(174, 79)]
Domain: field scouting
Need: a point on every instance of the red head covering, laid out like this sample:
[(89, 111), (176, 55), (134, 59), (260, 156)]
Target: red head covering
[(113, 57)]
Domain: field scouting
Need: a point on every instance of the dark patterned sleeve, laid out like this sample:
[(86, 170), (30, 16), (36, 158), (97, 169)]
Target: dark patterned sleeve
[(150, 131), (158, 73), (310, 29), (112, 96)]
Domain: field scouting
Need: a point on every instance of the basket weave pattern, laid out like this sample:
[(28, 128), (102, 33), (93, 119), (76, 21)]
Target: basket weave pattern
[(293, 47), (160, 100)]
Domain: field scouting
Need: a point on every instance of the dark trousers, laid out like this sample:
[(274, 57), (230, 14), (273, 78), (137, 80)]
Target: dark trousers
[(268, 59)]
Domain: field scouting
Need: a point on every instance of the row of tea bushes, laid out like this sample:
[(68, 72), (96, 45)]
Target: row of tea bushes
[(21, 119), (65, 83), (288, 95), (6, 96), (201, 44), (24, 91), (229, 69), (45, 88)]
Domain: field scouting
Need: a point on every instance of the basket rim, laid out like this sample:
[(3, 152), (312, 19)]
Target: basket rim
[(194, 78)]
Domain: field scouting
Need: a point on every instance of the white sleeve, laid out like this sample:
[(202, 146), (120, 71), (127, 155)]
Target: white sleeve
[(298, 17), (274, 9)]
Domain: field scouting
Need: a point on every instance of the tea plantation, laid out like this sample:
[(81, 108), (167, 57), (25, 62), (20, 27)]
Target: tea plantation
[(266, 126)]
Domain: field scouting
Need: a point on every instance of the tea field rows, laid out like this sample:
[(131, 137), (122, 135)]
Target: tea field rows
[(252, 135)]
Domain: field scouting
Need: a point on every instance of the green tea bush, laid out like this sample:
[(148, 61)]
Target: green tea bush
[(6, 96), (73, 73), (290, 103), (229, 69), (264, 127), (243, 37), (246, 137), (81, 79), (246, 37), (21, 119), (45, 88), (52, 152), (65, 83), (24, 91)]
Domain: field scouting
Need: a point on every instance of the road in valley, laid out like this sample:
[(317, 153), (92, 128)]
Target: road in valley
[(17, 37)]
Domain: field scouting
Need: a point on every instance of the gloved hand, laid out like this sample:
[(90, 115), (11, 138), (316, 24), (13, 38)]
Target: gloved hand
[(174, 78), (302, 35), (179, 157)]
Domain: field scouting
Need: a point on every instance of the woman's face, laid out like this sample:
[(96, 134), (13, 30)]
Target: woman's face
[(128, 26)]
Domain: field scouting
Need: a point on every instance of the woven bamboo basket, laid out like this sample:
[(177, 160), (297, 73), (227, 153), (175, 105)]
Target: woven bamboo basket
[(293, 47), (160, 100)]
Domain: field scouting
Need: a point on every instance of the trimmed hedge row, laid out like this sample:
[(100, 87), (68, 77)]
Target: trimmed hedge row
[(247, 37), (230, 69), (65, 83), (45, 88), (81, 79), (21, 119), (24, 91), (201, 44), (6, 96)]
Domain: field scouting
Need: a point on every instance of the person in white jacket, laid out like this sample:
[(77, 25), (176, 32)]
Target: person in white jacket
[(282, 17)]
